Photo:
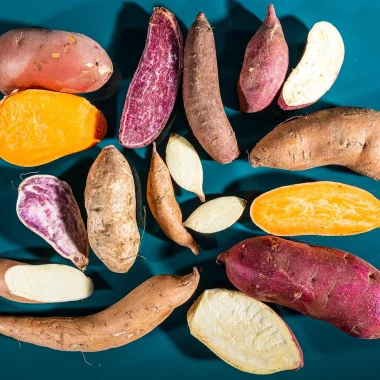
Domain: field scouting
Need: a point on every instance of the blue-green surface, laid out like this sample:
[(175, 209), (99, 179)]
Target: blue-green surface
[(170, 351)]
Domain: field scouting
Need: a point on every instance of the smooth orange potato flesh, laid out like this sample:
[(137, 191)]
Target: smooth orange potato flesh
[(38, 126), (319, 208)]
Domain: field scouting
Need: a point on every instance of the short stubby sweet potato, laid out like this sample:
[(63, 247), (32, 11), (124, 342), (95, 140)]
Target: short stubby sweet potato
[(346, 136), (134, 316), (266, 62), (39, 126), (153, 90), (201, 94), (316, 208), (47, 207), (53, 60), (110, 200), (323, 283)]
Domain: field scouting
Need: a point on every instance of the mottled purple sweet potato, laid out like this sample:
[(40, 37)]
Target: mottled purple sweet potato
[(321, 282), (266, 62), (47, 206), (153, 90)]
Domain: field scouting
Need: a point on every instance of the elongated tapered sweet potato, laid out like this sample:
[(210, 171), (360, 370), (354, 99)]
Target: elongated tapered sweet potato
[(163, 205), (38, 126), (47, 206), (134, 316), (201, 94), (153, 90), (316, 208), (321, 282), (265, 65), (345, 136)]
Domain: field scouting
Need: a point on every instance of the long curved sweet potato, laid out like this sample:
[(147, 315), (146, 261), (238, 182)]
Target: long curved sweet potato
[(134, 316), (316, 208), (321, 282)]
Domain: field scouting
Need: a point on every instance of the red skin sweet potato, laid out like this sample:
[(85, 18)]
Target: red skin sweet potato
[(154, 87), (53, 60), (323, 283), (266, 62)]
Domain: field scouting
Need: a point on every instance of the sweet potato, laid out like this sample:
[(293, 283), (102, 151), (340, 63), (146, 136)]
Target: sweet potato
[(163, 205), (266, 62), (53, 60), (38, 126), (201, 94), (318, 69), (153, 90), (321, 282), (134, 316), (244, 332), (345, 136), (110, 201), (317, 208), (48, 283), (47, 206)]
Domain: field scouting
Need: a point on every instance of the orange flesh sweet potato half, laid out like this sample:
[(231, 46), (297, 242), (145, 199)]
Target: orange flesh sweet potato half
[(38, 126), (317, 208)]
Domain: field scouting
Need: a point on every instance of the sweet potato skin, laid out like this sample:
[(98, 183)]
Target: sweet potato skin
[(346, 136), (110, 202), (266, 62), (323, 283), (201, 94), (53, 60), (134, 316)]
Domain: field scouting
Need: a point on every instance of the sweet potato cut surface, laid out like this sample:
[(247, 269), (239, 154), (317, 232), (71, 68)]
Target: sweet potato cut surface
[(321, 282), (134, 316), (153, 90), (38, 126), (244, 332), (317, 208)]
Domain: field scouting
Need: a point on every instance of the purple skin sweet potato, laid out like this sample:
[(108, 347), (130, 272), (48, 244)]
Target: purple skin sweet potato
[(47, 206), (266, 62), (323, 283), (154, 87)]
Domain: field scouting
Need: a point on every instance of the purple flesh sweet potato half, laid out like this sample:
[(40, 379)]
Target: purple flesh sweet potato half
[(323, 283), (154, 87), (47, 206)]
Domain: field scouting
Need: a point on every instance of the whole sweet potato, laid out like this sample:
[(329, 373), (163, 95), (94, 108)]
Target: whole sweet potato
[(266, 61), (134, 316), (153, 90), (53, 60), (321, 282), (111, 210), (345, 136), (201, 94)]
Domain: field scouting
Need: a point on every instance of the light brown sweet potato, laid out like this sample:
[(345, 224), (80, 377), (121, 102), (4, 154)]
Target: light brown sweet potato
[(163, 205), (134, 316), (201, 94)]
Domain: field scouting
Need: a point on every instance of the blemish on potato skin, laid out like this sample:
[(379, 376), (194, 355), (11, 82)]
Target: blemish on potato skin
[(56, 55)]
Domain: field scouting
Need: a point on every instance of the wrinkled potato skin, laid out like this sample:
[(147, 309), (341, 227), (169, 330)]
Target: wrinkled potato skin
[(53, 60), (110, 202)]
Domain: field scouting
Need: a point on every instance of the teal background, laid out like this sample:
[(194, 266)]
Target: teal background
[(170, 351)]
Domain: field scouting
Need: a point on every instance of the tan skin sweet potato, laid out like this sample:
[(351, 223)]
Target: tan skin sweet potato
[(201, 94), (163, 205), (53, 60), (134, 316)]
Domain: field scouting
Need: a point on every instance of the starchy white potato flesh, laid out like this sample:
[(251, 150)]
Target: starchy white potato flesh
[(216, 215), (318, 68), (184, 165), (48, 283), (244, 332)]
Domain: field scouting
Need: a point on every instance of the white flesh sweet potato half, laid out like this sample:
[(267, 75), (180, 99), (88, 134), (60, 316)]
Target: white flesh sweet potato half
[(134, 316), (47, 206), (317, 70), (153, 90), (244, 332)]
